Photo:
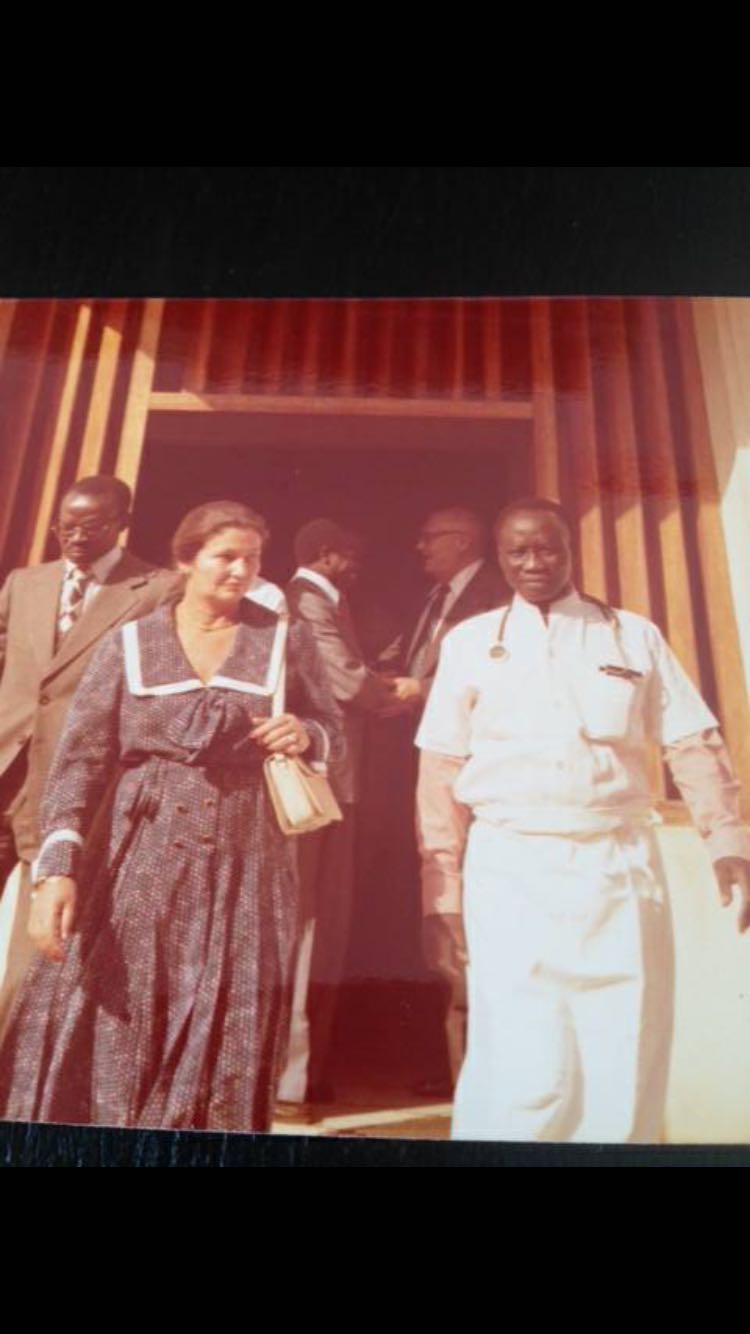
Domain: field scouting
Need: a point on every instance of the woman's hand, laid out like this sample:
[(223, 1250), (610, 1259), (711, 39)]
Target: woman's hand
[(53, 906), (282, 735)]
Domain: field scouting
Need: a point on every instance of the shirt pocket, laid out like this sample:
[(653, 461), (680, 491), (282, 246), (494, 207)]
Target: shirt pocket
[(611, 706)]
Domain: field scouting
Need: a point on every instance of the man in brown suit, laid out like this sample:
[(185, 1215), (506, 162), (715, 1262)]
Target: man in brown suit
[(52, 617), (328, 559)]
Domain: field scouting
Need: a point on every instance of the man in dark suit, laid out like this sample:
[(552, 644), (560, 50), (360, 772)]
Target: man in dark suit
[(451, 544), (52, 617), (328, 558)]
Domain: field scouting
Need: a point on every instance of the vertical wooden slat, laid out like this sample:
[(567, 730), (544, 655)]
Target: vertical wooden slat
[(723, 333), (576, 418), (727, 657), (196, 367), (228, 349), (618, 448), (22, 372), (7, 313), (346, 379), (493, 371), (667, 554), (457, 383), (546, 446), (383, 363), (101, 393), (273, 368), (139, 391), (419, 319), (316, 315), (45, 512)]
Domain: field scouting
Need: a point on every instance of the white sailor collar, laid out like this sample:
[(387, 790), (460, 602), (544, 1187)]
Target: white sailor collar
[(155, 663)]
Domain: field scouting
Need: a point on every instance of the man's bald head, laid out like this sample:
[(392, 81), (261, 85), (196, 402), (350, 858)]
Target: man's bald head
[(449, 540)]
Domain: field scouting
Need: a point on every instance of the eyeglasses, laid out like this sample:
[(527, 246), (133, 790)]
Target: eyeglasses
[(90, 529)]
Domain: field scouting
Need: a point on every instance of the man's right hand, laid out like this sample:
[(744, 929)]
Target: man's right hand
[(444, 944), (53, 906)]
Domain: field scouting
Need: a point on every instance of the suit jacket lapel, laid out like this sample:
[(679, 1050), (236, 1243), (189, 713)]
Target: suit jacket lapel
[(469, 603), (42, 609), (113, 601)]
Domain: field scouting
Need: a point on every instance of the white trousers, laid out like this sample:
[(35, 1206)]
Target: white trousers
[(570, 988)]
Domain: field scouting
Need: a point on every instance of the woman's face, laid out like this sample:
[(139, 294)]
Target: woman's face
[(225, 567)]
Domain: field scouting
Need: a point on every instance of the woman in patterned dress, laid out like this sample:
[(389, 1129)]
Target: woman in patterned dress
[(166, 914)]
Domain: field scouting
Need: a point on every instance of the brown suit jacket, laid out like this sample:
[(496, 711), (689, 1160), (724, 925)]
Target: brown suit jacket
[(37, 683), (356, 689)]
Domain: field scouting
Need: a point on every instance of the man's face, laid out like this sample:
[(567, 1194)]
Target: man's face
[(87, 527), (533, 550), (442, 545), (344, 569)]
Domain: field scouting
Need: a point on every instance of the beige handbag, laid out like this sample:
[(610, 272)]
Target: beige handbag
[(301, 795)]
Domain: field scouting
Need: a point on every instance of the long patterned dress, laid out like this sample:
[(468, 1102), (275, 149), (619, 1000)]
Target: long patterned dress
[(170, 1007)]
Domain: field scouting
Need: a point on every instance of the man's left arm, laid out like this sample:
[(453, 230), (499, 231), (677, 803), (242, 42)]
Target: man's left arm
[(702, 770)]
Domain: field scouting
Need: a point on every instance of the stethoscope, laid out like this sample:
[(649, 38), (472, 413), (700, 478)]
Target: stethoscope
[(499, 650)]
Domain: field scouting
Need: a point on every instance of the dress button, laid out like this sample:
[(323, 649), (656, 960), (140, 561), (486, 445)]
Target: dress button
[(44, 699), (209, 801), (178, 843), (207, 839), (181, 807)]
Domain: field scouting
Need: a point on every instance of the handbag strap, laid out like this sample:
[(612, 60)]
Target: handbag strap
[(277, 703)]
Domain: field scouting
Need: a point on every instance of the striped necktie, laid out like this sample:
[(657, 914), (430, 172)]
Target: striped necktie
[(71, 601), (420, 650)]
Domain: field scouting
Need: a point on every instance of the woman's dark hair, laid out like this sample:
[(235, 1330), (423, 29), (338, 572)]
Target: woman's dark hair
[(205, 521)]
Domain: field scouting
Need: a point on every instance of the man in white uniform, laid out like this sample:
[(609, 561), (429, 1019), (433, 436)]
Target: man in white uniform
[(536, 739)]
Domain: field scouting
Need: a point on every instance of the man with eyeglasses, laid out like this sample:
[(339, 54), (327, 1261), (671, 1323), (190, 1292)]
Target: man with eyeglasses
[(52, 617), (451, 545)]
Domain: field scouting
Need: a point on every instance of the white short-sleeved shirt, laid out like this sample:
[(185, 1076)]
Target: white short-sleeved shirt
[(551, 742)]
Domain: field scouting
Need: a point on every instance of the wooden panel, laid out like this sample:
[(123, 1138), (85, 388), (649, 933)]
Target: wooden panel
[(493, 365), (20, 378), (7, 315), (546, 446), (196, 368), (92, 448), (59, 442), (619, 477), (579, 479), (139, 392), (667, 554), (727, 658)]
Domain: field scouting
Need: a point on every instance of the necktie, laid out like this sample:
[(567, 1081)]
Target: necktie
[(420, 649), (71, 602)]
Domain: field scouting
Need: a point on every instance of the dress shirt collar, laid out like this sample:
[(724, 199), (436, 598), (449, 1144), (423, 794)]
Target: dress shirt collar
[(324, 584), (101, 569), (459, 582)]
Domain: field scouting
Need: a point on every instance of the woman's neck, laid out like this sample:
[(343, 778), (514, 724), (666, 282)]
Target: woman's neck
[(203, 615)]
